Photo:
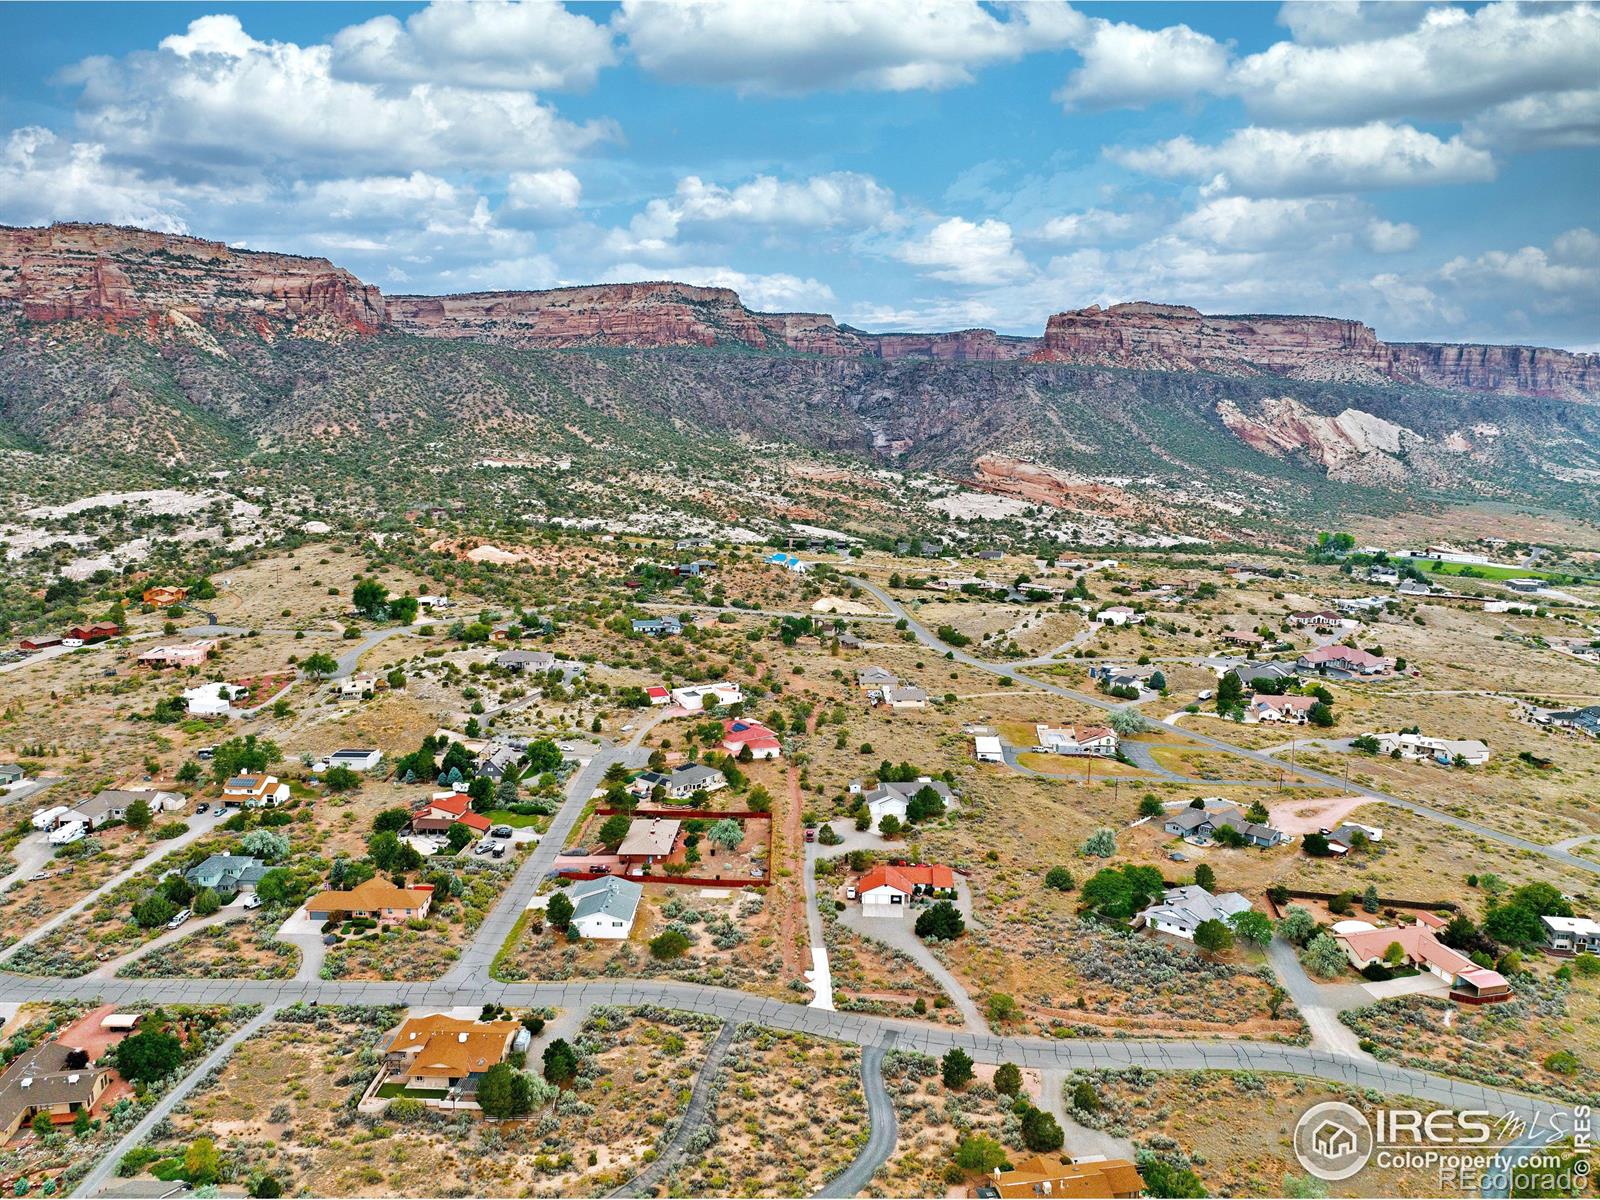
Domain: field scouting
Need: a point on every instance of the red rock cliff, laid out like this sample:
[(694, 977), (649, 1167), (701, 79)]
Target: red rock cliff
[(105, 272), (1177, 338)]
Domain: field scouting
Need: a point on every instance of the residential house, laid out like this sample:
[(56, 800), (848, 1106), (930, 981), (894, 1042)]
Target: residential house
[(789, 562), (1184, 909), (254, 791), (525, 660), (10, 773), (1250, 673), (112, 805), (1526, 585), (226, 874), (1315, 620), (88, 635), (849, 641), (1243, 637), (431, 602), (1290, 710), (1361, 604), (700, 696), (1383, 576), (1347, 660), (658, 626), (649, 840), (876, 678), (1343, 839), (904, 697), (51, 1078), (1446, 751), (164, 597), (697, 568), (679, 784), (887, 891), (1095, 740), (1119, 677), (1202, 824), (1366, 946), (1410, 587), (189, 654), (356, 685), (1061, 1178), (496, 759), (1571, 935), (604, 907), (442, 1053), (988, 749), (445, 809), (39, 641), (657, 695), (742, 733), (1119, 614), (377, 899), (213, 699), (1579, 720), (360, 759), (891, 799)]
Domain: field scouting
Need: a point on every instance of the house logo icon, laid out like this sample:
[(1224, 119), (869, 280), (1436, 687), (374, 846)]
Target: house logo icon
[(1333, 1140)]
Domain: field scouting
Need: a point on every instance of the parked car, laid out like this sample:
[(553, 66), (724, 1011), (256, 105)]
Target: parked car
[(1205, 694), (850, 892), (499, 850), (205, 752), (500, 831), (182, 916), (811, 835), (202, 807), (252, 901)]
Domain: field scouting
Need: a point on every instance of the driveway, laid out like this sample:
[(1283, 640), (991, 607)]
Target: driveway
[(301, 931), (900, 934), (1319, 1003), (32, 854), (1425, 983), (223, 916)]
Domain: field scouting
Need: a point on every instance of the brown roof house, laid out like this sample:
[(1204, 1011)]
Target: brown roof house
[(51, 1078), (377, 898), (441, 1052), (1056, 1176)]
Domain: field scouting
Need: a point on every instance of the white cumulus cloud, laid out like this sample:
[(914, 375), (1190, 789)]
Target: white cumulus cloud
[(962, 251)]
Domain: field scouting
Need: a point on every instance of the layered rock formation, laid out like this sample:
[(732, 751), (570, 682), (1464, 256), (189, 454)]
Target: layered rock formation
[(134, 276), (1171, 337), (652, 315)]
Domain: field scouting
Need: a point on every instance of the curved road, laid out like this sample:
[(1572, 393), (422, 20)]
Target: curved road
[(883, 1129), (1010, 671)]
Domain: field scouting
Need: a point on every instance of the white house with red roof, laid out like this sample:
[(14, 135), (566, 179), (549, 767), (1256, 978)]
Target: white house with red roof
[(445, 809), (1365, 945), (740, 733), (1292, 710), (887, 891), (657, 694)]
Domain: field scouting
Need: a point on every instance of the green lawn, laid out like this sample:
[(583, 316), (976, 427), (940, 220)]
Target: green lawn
[(1429, 566), (389, 1091), (501, 816)]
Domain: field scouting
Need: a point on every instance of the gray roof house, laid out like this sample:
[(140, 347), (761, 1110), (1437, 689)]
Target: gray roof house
[(1184, 909), (227, 873), (109, 805), (876, 677), (9, 773), (526, 660), (659, 626), (604, 907), (1250, 673), (1202, 823)]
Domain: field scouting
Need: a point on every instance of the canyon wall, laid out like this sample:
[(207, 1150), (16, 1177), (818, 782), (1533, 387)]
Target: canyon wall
[(134, 276), (1170, 337)]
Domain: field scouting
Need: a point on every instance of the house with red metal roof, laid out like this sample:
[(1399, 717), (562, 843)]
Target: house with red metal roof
[(741, 733), (1366, 946), (887, 891)]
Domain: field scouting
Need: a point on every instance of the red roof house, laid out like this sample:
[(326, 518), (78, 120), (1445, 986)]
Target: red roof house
[(741, 732)]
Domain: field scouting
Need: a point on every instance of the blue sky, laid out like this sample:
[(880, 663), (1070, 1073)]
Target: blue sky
[(1427, 168)]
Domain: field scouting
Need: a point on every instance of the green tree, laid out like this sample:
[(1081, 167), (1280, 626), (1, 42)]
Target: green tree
[(1297, 925), (391, 820), (201, 1162), (1514, 925), (1008, 1079), (1102, 843), (206, 902), (1213, 936), (1150, 806), (980, 1154), (727, 833), (560, 1062), (153, 911), (559, 910), (1321, 715), (543, 756), (1040, 1131), (148, 1056), (1059, 879), (614, 831), (956, 1068), (1085, 1098), (1230, 693), (1251, 927), (503, 1094), (1165, 1179), (248, 755), (669, 944), (1205, 877), (341, 779), (369, 596), (1125, 722), (1323, 956), (265, 845), (889, 825), (943, 921), (318, 665), (138, 814), (458, 837)]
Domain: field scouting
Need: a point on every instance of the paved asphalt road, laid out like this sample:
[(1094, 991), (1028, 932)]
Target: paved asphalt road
[(882, 1130), (1010, 671), (647, 1180)]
